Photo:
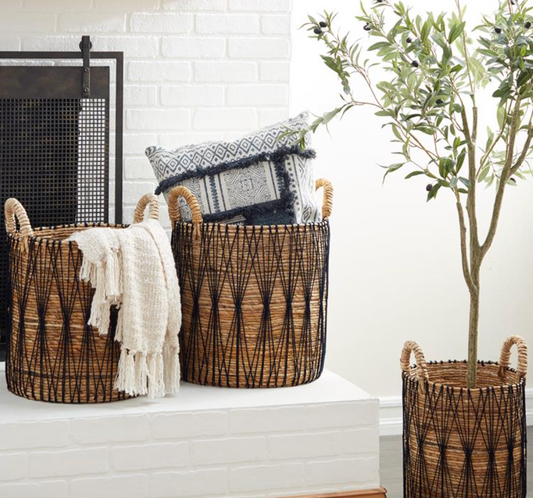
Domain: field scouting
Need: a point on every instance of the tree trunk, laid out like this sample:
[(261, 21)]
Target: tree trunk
[(473, 335)]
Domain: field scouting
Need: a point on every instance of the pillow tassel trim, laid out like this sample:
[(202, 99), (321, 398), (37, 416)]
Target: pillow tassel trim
[(276, 157), (286, 203)]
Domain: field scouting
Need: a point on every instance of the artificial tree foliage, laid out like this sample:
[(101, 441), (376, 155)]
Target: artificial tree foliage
[(436, 72)]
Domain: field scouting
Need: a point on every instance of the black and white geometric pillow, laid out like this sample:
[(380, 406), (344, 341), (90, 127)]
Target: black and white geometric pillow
[(261, 178)]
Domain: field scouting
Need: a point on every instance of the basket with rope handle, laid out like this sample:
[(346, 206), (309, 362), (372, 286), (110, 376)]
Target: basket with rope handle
[(254, 298), (53, 355), (461, 442)]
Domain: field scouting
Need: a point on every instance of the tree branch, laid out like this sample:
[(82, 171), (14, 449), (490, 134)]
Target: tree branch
[(464, 250), (505, 175), (472, 173), (525, 150)]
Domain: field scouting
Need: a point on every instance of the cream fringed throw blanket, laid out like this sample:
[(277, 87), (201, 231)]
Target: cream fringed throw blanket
[(134, 269)]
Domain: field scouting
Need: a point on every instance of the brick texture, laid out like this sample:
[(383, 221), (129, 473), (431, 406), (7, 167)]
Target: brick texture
[(225, 57), (264, 451)]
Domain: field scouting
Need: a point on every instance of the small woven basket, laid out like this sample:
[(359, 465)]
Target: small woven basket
[(254, 298), (459, 442), (52, 354)]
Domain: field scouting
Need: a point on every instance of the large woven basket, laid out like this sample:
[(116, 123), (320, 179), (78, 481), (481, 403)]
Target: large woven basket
[(254, 298), (52, 354), (459, 442)]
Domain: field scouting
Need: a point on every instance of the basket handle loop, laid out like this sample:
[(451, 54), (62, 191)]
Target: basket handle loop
[(327, 203), (151, 201), (505, 358), (14, 211), (412, 347), (192, 202)]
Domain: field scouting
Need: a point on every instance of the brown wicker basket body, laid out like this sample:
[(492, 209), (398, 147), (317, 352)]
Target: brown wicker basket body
[(461, 442), (254, 299), (53, 355)]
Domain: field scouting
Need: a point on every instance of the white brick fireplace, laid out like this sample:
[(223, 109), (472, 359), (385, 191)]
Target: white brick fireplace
[(207, 442)]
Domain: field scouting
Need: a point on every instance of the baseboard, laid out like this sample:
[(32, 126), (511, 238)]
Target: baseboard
[(371, 493), (390, 414)]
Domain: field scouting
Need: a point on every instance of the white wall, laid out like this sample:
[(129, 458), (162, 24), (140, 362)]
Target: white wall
[(195, 69), (395, 263)]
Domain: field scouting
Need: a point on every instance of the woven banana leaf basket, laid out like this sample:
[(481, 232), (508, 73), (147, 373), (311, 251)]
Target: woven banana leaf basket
[(52, 354), (459, 442), (254, 298)]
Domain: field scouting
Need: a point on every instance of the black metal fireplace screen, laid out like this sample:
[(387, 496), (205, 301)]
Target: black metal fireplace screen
[(55, 143)]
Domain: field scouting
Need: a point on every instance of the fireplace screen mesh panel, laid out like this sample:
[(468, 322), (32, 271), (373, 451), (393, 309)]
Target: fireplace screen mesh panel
[(54, 158), (55, 150)]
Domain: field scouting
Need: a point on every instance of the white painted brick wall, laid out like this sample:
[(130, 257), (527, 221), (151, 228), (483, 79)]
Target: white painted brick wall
[(45, 489), (150, 456), (244, 449), (13, 466), (34, 435), (206, 482), (222, 66), (257, 452), (68, 463)]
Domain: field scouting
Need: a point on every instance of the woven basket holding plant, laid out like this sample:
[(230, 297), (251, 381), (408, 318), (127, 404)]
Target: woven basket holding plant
[(464, 422)]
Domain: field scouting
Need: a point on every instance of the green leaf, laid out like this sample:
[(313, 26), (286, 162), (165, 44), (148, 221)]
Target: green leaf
[(379, 45), (414, 173), (432, 194), (330, 115), (524, 78), (465, 182), (501, 116), (484, 172), (424, 129), (397, 133), (424, 33), (460, 160), (391, 169), (456, 31)]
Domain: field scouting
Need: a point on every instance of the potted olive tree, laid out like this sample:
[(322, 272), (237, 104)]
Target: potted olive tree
[(464, 422)]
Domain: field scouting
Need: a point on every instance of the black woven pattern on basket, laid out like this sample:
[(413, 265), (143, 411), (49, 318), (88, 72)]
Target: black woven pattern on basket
[(54, 158), (274, 260), (492, 419), (46, 359)]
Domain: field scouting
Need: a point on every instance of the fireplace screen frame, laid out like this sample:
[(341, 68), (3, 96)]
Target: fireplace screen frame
[(86, 84)]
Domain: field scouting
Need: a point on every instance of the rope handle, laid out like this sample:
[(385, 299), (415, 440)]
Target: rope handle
[(14, 211), (411, 347), (327, 203), (505, 357), (151, 201), (192, 202)]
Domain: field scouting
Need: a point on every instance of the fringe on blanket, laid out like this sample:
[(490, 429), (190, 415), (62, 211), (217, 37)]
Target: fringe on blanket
[(154, 374), (106, 295)]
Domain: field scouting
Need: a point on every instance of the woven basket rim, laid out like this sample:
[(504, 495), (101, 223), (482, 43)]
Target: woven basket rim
[(236, 227), (48, 239), (411, 376)]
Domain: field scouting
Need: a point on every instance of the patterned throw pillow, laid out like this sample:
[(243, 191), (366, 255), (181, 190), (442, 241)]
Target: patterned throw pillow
[(259, 179)]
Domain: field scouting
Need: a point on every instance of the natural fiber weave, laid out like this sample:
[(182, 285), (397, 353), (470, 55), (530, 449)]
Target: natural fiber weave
[(254, 299), (53, 355), (461, 442)]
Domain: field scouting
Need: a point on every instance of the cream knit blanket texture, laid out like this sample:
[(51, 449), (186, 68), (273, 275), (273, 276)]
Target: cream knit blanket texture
[(134, 269)]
